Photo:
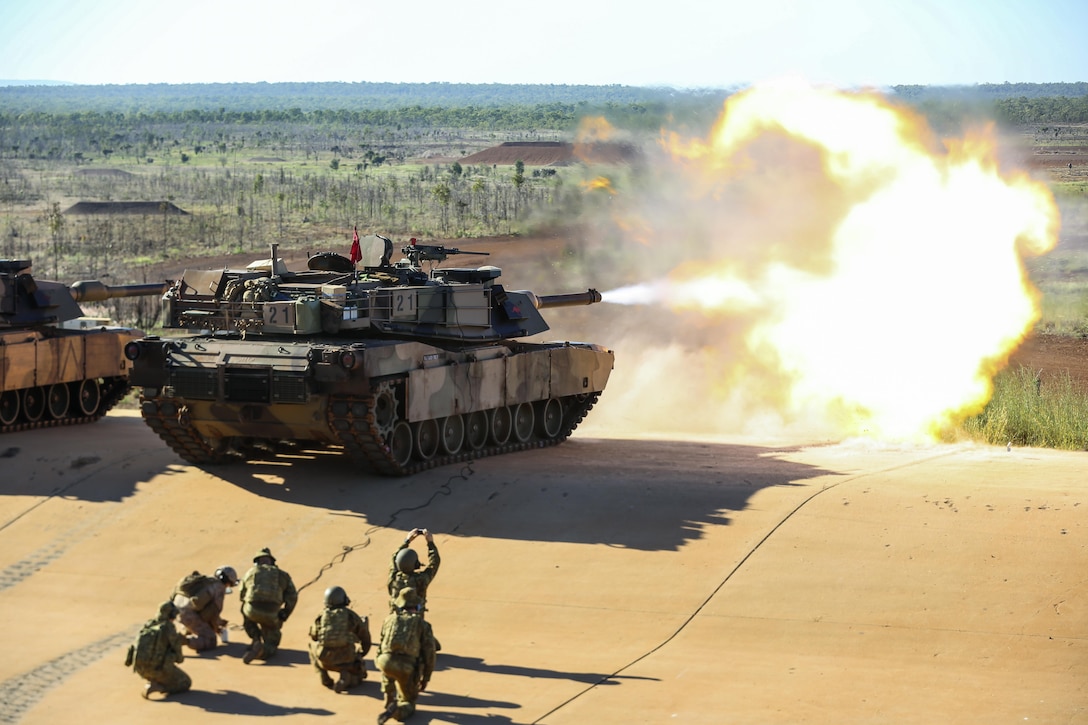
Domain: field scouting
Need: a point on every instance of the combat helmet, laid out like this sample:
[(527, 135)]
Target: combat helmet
[(227, 575), (262, 554), (407, 560), (407, 598), (336, 597), (167, 610)]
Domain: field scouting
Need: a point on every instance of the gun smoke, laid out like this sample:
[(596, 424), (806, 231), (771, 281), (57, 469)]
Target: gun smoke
[(821, 265)]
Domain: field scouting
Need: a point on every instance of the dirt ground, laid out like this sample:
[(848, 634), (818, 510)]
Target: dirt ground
[(605, 580), (1054, 354)]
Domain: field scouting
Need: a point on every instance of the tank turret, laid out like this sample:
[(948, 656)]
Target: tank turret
[(399, 367), (54, 372)]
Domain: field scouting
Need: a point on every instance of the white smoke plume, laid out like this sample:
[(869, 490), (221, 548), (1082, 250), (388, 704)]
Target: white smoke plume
[(821, 265)]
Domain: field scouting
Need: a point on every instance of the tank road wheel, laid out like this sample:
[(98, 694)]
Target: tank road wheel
[(57, 400), (549, 419), (453, 434), (33, 404), (400, 444), (9, 407), (523, 422), (88, 396), (476, 430), (385, 409), (502, 421), (426, 437)]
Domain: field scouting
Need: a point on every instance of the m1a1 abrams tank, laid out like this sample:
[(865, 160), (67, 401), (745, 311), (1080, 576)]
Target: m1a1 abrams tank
[(49, 374), (400, 368)]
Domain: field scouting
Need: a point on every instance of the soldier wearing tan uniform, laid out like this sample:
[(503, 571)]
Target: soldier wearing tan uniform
[(199, 600), (341, 638), (268, 597)]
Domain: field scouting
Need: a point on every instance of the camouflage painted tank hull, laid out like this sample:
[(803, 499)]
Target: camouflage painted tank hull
[(396, 407), (53, 376)]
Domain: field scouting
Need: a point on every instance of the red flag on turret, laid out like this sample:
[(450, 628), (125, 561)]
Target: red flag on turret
[(356, 252)]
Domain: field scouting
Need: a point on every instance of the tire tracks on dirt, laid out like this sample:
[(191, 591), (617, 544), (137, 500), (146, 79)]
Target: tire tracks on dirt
[(21, 693)]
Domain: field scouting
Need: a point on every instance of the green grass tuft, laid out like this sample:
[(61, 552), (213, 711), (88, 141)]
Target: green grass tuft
[(1029, 410)]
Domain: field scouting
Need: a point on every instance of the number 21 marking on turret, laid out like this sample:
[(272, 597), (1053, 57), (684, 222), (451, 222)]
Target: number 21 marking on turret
[(404, 304), (280, 313)]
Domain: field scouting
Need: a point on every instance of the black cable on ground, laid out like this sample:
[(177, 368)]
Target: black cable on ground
[(443, 490), (722, 583)]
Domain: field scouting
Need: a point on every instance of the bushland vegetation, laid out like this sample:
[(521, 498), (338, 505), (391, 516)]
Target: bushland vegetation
[(1025, 410), (301, 164)]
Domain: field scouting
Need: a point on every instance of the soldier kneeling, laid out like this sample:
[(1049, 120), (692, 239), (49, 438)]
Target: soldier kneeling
[(341, 638), (156, 653), (199, 600)]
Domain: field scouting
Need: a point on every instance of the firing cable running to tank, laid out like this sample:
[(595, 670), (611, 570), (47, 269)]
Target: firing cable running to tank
[(728, 576), (444, 490)]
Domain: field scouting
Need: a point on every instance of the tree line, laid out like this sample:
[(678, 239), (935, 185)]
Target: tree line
[(332, 96)]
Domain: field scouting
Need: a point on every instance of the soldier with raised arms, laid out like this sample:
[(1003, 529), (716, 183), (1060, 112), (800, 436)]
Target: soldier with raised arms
[(405, 571)]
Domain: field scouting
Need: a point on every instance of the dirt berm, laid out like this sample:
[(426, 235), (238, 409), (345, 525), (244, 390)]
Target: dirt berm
[(600, 581)]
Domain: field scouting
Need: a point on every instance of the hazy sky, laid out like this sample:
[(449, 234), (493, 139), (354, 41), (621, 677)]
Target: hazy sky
[(681, 43)]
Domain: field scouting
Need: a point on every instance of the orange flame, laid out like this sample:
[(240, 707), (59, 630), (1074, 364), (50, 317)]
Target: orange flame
[(594, 129), (600, 182), (862, 276)]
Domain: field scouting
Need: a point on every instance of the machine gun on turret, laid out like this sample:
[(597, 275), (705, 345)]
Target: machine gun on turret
[(418, 253)]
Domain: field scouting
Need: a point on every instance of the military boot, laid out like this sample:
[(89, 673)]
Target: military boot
[(152, 688), (386, 713), (253, 652)]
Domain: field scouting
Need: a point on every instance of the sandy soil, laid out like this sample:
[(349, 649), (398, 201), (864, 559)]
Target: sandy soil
[(607, 581), (603, 580)]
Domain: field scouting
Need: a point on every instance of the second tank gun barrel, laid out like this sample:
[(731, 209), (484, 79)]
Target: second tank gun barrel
[(573, 299), (91, 290)]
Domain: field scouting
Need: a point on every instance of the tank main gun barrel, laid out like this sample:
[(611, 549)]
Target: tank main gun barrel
[(574, 299), (91, 290)]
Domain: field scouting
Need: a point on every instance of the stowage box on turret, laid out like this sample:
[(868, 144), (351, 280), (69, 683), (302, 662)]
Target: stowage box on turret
[(54, 372), (401, 368)]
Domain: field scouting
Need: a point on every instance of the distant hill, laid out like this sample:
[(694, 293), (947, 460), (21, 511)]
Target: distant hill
[(125, 207)]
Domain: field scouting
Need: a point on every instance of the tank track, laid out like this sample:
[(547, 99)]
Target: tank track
[(111, 391), (354, 422), (166, 417)]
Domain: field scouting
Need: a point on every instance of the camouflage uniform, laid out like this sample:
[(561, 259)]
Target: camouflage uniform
[(158, 662), (200, 611), (268, 597), (341, 638), (419, 579), (406, 656)]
